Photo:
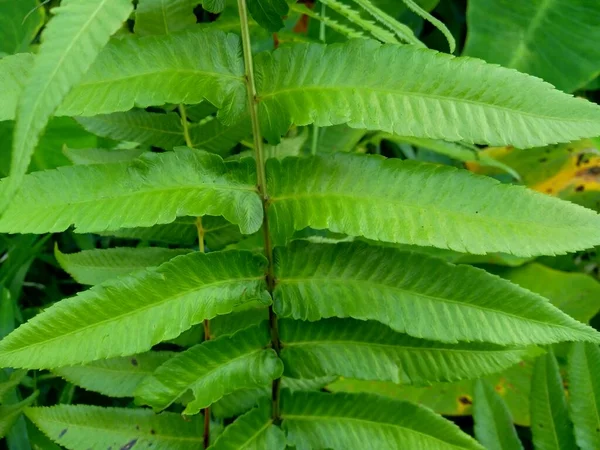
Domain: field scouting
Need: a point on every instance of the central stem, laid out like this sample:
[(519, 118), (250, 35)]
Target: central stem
[(262, 189)]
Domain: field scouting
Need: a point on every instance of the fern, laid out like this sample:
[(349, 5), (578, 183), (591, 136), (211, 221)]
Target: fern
[(12, 81), (100, 155), (71, 43), (435, 96), (152, 189), (368, 350), (180, 293), (405, 195), (211, 370), (163, 16)]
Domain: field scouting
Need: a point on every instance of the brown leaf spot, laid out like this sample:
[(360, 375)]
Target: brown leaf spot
[(580, 188), (465, 400), (134, 362)]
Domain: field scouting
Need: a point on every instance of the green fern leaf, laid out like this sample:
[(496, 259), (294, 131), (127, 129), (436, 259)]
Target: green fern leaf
[(372, 351), (550, 424), (213, 369), (213, 6), (130, 314), (554, 40), (493, 423), (414, 92), (416, 294), (213, 136), (70, 43), (268, 13), (415, 8), (99, 265), (163, 16), (252, 431), (12, 82), (584, 394), (100, 155), (423, 204), (182, 232), (152, 189), (10, 413), (341, 28), (13, 381), (115, 377), (81, 427), (339, 421)]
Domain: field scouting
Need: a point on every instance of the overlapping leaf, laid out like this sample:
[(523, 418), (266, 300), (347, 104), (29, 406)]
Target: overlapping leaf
[(101, 155), (415, 294), (550, 424), (340, 421), (213, 369), (163, 16), (252, 431), (99, 265), (414, 92), (493, 423), (153, 189), (83, 426), (12, 82), (130, 314), (115, 377), (70, 44), (584, 394), (554, 40), (10, 413), (19, 23), (372, 351), (418, 203)]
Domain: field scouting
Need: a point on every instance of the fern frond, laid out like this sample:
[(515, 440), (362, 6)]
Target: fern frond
[(339, 421), (253, 430), (154, 189), (99, 265), (414, 7), (400, 30), (550, 424), (71, 42), (584, 394), (182, 232), (415, 294), (418, 203), (115, 377), (341, 28), (414, 92), (213, 369), (83, 426), (372, 351), (101, 155), (130, 314), (163, 16)]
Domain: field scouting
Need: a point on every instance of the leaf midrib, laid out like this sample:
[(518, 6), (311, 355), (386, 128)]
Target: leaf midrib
[(127, 313), (359, 89), (346, 281)]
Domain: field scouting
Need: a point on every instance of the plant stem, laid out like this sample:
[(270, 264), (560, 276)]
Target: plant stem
[(262, 190), (188, 142)]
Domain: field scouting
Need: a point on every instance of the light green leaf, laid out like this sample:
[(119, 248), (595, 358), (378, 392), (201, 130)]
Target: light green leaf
[(100, 155), (584, 394), (419, 203), (416, 294), (208, 66), (213, 6), (339, 421), (554, 40), (156, 188), (576, 294), (163, 16), (550, 424), (99, 265), (130, 314), (12, 80), (414, 92), (20, 21), (252, 431), (372, 351), (10, 413), (493, 423), (268, 13), (70, 43), (213, 369), (115, 377), (81, 427)]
